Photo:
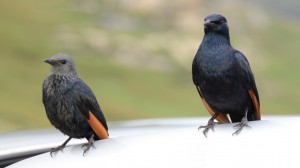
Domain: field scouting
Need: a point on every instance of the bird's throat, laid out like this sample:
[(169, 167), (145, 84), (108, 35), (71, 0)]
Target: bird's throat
[(215, 40)]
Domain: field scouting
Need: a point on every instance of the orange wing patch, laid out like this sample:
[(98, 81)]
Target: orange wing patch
[(256, 104), (97, 127)]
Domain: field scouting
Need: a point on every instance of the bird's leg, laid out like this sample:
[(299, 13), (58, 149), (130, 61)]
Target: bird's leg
[(210, 124), (242, 124), (88, 145), (60, 147)]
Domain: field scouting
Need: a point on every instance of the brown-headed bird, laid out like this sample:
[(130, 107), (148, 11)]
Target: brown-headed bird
[(223, 78), (71, 105)]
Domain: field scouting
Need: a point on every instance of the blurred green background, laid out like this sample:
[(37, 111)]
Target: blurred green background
[(137, 55)]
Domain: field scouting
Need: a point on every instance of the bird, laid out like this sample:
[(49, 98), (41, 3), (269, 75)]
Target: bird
[(70, 104), (223, 78)]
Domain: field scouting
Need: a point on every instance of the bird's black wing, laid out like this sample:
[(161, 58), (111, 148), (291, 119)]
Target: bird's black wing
[(249, 81), (195, 71), (90, 109)]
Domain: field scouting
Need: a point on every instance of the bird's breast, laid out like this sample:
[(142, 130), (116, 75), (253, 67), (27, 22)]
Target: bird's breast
[(217, 71), (62, 108), (215, 64)]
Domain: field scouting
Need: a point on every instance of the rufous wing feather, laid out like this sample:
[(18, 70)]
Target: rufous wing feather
[(97, 127), (256, 104)]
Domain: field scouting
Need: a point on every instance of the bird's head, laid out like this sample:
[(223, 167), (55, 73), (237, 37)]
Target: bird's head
[(62, 64), (216, 23)]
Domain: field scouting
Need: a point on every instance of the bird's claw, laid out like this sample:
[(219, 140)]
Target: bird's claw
[(87, 147), (55, 150), (240, 126), (210, 125), (60, 147)]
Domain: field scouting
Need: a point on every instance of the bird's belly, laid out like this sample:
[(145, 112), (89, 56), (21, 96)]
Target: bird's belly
[(224, 93), (70, 124)]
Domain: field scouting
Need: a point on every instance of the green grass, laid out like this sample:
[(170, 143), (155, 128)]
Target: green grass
[(137, 61)]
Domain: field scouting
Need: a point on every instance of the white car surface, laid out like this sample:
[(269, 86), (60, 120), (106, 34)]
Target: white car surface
[(163, 143)]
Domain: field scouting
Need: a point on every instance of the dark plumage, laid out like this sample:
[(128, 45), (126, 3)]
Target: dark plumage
[(223, 77), (70, 104)]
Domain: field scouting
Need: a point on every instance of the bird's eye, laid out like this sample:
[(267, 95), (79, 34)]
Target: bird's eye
[(63, 61), (217, 22)]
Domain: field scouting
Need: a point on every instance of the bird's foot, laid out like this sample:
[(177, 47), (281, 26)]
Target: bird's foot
[(88, 145), (55, 150), (240, 126), (60, 147), (210, 125)]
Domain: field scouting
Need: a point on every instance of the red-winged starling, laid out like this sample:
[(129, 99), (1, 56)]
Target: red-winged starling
[(71, 105), (223, 78)]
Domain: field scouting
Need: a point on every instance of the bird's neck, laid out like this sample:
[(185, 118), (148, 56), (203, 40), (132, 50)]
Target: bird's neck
[(216, 39), (64, 75), (60, 72)]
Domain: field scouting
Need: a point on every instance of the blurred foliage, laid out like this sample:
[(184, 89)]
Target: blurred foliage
[(136, 55)]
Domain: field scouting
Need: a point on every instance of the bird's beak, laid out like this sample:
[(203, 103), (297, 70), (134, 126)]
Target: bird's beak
[(207, 22), (49, 61)]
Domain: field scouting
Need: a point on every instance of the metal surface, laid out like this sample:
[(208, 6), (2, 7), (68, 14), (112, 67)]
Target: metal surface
[(272, 142)]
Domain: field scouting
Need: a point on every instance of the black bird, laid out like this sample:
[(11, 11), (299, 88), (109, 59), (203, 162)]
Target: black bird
[(223, 78), (71, 105)]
